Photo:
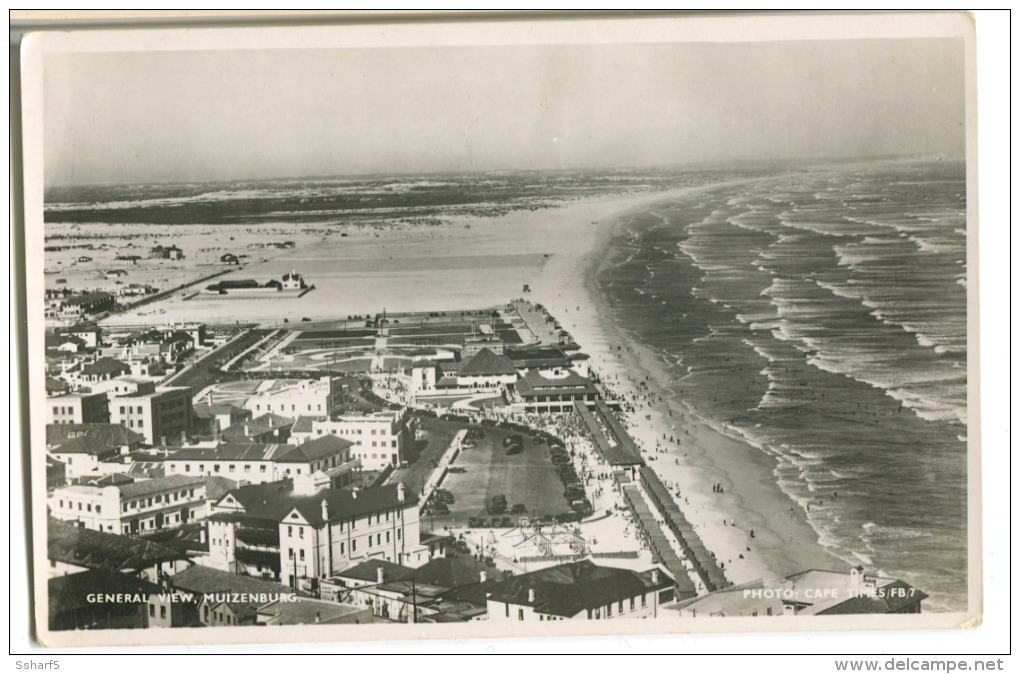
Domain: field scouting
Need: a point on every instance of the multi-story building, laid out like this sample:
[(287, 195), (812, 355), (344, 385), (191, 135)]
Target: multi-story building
[(159, 415), (143, 505), (297, 396), (580, 591), (210, 419), (311, 530), (380, 439), (78, 408), (102, 369), (82, 456), (551, 391), (258, 463)]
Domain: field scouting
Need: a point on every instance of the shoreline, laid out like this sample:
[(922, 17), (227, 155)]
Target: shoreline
[(701, 456)]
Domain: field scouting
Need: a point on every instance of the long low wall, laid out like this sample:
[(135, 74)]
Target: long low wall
[(614, 455)]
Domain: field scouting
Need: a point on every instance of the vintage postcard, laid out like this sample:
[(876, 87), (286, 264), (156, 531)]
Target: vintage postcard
[(502, 328)]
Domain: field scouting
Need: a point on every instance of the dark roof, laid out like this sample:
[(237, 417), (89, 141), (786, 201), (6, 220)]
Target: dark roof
[(275, 500), (304, 424), (369, 571), (485, 362), (89, 298), (217, 487), (474, 593), (111, 480), (207, 411), (266, 423), (535, 356), (886, 601), (231, 451), (206, 580), (54, 385), (145, 487), (568, 589), (54, 341), (85, 445), (535, 382), (316, 449), (71, 592), (451, 572), (111, 434), (105, 366), (185, 538), (100, 550)]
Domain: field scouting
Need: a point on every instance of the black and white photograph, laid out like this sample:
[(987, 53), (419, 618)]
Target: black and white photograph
[(371, 331)]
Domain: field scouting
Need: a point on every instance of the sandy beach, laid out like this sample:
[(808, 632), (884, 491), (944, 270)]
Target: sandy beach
[(698, 457)]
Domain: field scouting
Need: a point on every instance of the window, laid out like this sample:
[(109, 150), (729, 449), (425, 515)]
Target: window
[(99, 509), (162, 612), (619, 608), (216, 468), (187, 468), (341, 549), (301, 555), (398, 533), (520, 614), (387, 537), (632, 603), (152, 610), (354, 546), (61, 503), (89, 507), (290, 553), (644, 600), (247, 468), (507, 610), (231, 468), (609, 610), (301, 532), (262, 468), (290, 531)]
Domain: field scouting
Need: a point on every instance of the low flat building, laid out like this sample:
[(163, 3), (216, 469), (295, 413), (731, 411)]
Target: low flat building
[(581, 591), (812, 592)]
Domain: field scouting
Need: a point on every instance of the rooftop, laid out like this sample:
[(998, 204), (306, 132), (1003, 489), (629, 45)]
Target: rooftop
[(485, 362), (369, 571), (100, 550), (105, 366), (276, 500), (267, 423), (146, 487), (568, 589), (72, 592), (85, 445), (111, 434), (206, 580)]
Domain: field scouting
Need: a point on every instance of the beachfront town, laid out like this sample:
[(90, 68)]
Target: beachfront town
[(435, 467)]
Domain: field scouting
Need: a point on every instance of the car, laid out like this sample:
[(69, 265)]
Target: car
[(506, 522), (482, 523), (306, 320), (518, 509), (510, 451), (473, 522)]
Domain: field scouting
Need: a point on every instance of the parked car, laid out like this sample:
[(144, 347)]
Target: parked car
[(518, 509), (473, 522), (514, 449)]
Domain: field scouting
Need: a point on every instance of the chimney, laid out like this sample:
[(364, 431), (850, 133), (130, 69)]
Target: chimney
[(655, 576), (162, 441), (201, 536), (325, 510), (318, 616), (855, 575), (379, 575), (246, 429), (354, 493), (482, 577), (789, 609), (184, 437), (400, 492), (531, 595)]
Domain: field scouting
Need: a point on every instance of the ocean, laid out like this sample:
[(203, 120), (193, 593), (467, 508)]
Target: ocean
[(821, 317)]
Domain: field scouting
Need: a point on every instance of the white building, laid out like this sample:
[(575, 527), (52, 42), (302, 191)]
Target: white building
[(143, 505), (380, 439), (78, 408), (293, 397)]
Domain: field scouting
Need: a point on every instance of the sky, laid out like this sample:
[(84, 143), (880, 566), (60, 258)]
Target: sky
[(127, 117)]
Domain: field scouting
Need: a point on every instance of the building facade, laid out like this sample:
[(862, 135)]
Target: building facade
[(379, 440), (78, 408), (159, 415)]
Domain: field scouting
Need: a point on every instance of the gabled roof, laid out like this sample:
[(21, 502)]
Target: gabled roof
[(305, 424), (266, 423), (451, 572), (232, 451), (85, 445), (146, 487), (217, 487), (70, 544), (105, 366), (485, 362), (111, 434), (89, 298), (54, 385), (206, 580), (568, 589), (313, 450), (276, 500), (369, 571), (73, 591)]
